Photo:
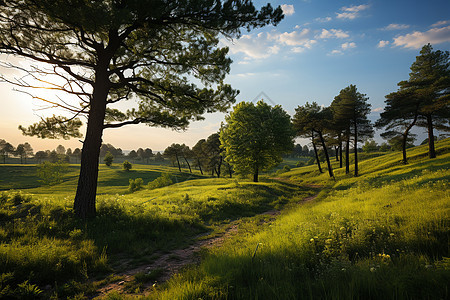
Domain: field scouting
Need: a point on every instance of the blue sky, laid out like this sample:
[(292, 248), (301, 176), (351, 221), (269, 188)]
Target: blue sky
[(318, 49)]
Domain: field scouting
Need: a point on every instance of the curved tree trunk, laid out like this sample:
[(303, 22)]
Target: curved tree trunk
[(189, 166), (330, 169), (199, 165), (405, 138), (178, 162), (316, 153)]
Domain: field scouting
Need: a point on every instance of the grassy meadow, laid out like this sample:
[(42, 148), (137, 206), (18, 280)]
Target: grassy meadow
[(382, 235)]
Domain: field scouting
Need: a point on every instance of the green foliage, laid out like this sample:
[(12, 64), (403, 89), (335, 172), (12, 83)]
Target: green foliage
[(135, 185), (164, 180), (108, 159), (52, 173), (127, 166), (255, 137), (54, 128)]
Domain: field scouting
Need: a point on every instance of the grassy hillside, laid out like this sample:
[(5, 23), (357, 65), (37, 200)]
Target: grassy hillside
[(46, 251), (383, 235)]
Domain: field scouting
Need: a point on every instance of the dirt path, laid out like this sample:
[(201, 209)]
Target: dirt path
[(171, 263)]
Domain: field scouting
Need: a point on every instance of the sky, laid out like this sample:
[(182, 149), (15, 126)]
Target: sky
[(319, 48)]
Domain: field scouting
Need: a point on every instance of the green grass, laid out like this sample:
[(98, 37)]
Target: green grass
[(42, 244), (383, 235)]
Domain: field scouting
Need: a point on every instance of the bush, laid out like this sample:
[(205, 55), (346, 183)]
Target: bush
[(135, 185), (127, 166), (51, 173), (164, 180), (300, 164), (108, 159)]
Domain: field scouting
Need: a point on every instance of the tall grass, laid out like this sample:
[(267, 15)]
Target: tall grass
[(383, 235)]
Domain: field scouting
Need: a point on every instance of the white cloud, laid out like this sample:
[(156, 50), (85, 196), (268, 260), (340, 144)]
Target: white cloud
[(417, 39), (336, 52), (288, 9), (346, 46), (383, 44), (351, 12), (294, 38), (253, 46), (332, 33), (323, 20), (396, 27), (441, 23), (264, 45)]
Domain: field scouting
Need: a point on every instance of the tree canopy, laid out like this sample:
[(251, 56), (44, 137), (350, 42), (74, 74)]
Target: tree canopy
[(255, 137), (103, 52)]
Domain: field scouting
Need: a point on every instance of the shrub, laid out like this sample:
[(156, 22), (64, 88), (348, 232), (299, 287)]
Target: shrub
[(135, 185), (127, 166), (300, 164), (108, 159), (51, 173), (164, 180)]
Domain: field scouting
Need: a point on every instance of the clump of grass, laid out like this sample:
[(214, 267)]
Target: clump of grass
[(135, 185), (164, 180)]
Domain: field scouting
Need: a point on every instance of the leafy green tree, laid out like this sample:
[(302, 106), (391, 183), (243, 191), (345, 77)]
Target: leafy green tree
[(174, 152), (77, 154), (398, 118), (310, 119), (109, 158), (127, 166), (159, 157), (350, 109), (429, 81), (51, 173), (199, 153), (61, 150), (103, 52), (214, 157), (133, 155), (24, 151), (40, 155), (5, 149), (255, 137), (370, 146)]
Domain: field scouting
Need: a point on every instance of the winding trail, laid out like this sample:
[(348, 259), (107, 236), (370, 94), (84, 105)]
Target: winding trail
[(172, 262)]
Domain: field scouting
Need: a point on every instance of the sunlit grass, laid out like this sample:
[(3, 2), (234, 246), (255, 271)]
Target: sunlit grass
[(381, 235)]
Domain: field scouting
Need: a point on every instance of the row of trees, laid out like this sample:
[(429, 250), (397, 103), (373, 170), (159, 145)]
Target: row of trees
[(23, 151)]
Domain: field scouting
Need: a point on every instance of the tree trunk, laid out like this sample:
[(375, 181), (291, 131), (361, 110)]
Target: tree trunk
[(356, 148), (405, 138), (199, 165), (336, 152), (347, 155), (255, 175), (431, 150), (315, 152), (189, 166), (84, 204), (330, 169), (178, 162), (340, 154), (219, 165)]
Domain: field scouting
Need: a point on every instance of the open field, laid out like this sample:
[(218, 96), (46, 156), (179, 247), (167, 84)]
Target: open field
[(382, 235)]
